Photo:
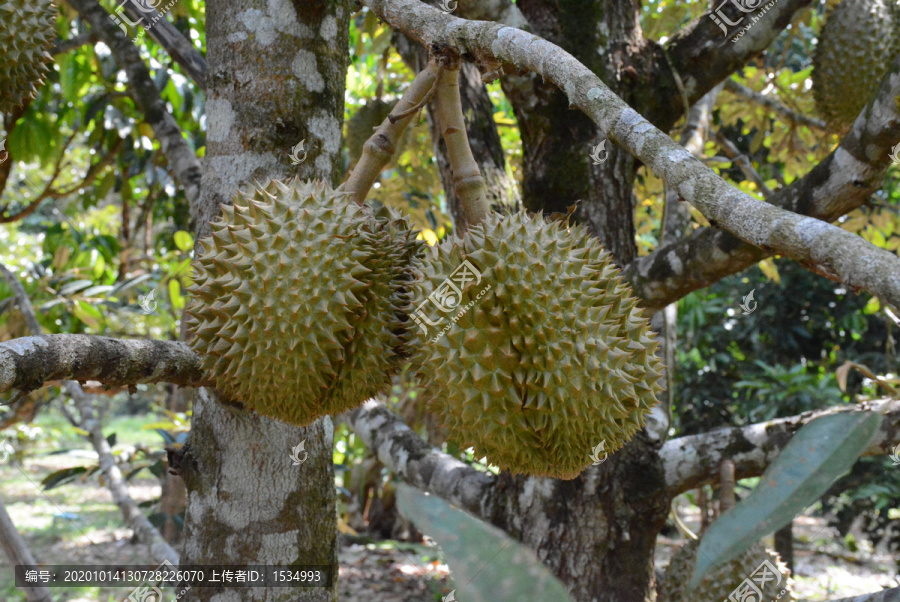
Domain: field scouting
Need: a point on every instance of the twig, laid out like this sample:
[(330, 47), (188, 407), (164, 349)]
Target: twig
[(743, 162), (754, 96), (379, 149)]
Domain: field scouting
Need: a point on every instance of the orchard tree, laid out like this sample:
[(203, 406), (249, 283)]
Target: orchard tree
[(596, 88)]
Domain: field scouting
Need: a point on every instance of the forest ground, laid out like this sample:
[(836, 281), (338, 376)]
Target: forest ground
[(375, 572)]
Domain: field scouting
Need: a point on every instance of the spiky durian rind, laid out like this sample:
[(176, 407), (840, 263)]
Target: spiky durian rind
[(551, 358), (300, 300), (856, 48), (26, 31), (724, 579)]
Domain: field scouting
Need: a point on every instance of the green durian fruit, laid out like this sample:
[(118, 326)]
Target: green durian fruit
[(359, 127), (300, 299), (26, 31), (550, 357), (856, 48), (718, 585)]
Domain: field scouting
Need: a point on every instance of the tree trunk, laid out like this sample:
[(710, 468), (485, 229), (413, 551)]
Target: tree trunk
[(276, 76)]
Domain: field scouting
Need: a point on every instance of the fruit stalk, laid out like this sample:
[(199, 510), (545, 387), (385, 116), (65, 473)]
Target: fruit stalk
[(379, 149), (467, 178)]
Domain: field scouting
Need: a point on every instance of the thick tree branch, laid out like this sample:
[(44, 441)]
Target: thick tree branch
[(838, 184), (177, 46), (694, 460), (400, 449), (703, 43), (817, 245), (182, 160), (29, 362)]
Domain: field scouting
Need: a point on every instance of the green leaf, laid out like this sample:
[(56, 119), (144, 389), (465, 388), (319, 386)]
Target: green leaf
[(99, 266), (175, 295), (61, 477), (184, 241), (487, 565), (88, 314), (75, 286), (814, 458)]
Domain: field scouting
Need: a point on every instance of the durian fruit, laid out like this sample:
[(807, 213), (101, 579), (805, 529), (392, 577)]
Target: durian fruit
[(26, 31), (300, 300), (856, 47), (359, 127), (724, 579), (550, 357)]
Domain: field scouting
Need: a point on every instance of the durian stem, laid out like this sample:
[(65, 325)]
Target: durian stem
[(680, 524), (726, 486), (467, 178), (379, 149)]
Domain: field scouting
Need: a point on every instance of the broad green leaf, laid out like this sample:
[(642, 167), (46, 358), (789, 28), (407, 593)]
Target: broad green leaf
[(815, 457), (486, 564), (61, 477), (184, 241)]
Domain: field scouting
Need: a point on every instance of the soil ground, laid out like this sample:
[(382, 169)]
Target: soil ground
[(382, 572)]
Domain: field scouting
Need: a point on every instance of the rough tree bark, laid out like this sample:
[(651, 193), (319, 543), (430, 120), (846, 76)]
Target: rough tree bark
[(276, 72)]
